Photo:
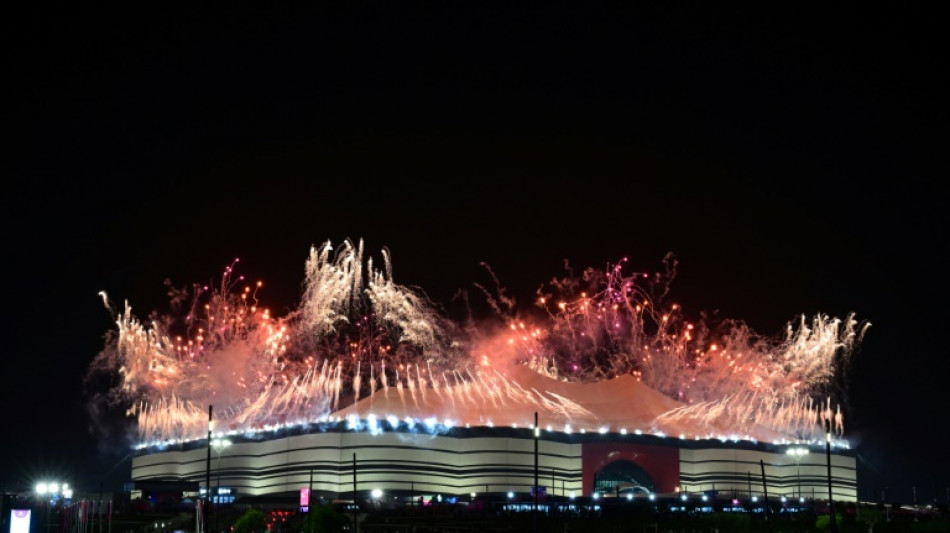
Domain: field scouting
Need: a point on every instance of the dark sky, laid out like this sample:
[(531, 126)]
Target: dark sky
[(789, 158)]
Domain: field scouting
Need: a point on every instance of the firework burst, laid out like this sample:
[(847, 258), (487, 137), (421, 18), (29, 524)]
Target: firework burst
[(358, 335)]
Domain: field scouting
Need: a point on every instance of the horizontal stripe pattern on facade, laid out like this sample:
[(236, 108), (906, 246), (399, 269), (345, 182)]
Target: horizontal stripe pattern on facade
[(466, 460), (739, 471)]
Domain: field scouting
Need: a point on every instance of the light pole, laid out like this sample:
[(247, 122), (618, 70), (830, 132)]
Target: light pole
[(831, 499), (99, 507), (205, 508), (50, 493), (219, 445), (798, 453), (887, 510), (537, 489), (310, 503), (43, 489)]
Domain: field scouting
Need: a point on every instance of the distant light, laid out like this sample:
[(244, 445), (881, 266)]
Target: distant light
[(54, 488), (41, 488), (629, 496), (511, 495), (596, 495), (572, 496), (377, 493), (705, 498), (683, 497), (755, 498), (652, 497)]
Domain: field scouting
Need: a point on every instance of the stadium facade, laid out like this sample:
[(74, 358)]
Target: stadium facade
[(408, 459)]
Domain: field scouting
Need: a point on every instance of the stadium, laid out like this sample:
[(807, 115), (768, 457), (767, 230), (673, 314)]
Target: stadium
[(367, 387), (377, 445)]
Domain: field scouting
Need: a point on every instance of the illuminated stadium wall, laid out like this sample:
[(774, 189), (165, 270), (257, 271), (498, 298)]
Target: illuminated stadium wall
[(738, 470), (461, 461)]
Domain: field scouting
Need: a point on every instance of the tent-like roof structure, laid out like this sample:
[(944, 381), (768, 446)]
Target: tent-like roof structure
[(511, 397)]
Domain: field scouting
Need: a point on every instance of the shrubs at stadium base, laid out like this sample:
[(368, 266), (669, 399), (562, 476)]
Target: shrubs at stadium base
[(253, 521)]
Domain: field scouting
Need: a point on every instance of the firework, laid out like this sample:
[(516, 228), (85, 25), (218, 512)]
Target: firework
[(602, 351)]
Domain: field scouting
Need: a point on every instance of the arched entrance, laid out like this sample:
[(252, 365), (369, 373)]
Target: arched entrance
[(623, 476), (660, 464)]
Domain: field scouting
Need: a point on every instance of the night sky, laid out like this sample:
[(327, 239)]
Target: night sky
[(788, 158)]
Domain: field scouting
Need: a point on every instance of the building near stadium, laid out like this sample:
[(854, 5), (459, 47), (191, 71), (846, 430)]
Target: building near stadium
[(606, 443)]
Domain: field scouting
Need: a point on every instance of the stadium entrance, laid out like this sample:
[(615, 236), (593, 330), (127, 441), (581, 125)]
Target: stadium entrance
[(621, 477)]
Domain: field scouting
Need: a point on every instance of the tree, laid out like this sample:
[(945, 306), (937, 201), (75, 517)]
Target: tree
[(326, 519), (823, 523), (869, 516), (253, 521)]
